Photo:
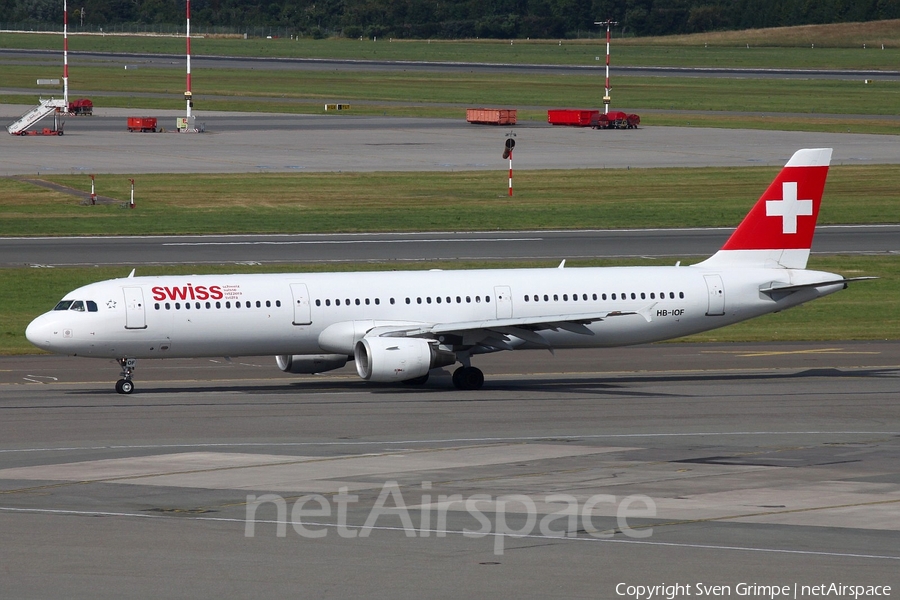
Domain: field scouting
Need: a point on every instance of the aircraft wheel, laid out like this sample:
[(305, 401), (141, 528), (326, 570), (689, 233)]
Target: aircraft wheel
[(468, 378), (124, 386), (416, 380)]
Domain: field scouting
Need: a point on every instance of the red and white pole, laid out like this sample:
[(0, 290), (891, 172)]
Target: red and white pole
[(606, 95), (131, 205), (510, 172), (66, 53), (93, 195), (609, 23), (187, 93)]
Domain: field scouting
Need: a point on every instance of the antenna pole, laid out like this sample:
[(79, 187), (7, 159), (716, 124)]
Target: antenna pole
[(66, 53), (187, 93), (609, 23)]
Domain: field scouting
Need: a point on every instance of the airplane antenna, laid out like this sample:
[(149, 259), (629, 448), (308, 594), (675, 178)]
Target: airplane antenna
[(608, 23)]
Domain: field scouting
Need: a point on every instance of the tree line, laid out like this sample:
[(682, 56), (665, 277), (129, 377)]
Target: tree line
[(455, 19)]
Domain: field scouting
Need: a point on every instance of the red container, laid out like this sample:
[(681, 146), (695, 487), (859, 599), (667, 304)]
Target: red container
[(142, 124), (572, 117)]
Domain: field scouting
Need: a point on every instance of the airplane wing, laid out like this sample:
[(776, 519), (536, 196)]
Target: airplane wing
[(496, 333)]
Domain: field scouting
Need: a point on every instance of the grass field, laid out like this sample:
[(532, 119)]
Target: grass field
[(392, 201), (274, 91), (866, 311)]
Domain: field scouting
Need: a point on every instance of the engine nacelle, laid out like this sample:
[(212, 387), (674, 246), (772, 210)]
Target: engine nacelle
[(391, 359), (310, 363)]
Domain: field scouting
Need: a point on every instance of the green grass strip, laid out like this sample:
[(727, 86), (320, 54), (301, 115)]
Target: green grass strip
[(433, 201)]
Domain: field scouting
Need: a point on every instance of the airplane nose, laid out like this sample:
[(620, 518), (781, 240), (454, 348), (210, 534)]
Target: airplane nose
[(38, 333)]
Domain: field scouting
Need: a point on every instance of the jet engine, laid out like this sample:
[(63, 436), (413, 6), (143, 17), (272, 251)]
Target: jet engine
[(391, 359), (310, 363)]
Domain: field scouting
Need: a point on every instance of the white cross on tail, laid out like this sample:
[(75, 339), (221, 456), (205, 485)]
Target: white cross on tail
[(789, 208)]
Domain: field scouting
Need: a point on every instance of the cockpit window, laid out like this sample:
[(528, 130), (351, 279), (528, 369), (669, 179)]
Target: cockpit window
[(91, 306), (77, 305), (63, 305)]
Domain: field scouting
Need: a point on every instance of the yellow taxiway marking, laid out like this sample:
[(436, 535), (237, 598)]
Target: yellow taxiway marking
[(750, 353)]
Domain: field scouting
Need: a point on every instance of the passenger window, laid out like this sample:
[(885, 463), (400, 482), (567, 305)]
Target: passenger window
[(546, 298), (438, 299), (527, 298), (377, 301), (407, 300), (449, 300), (603, 296), (681, 294), (653, 295), (258, 304), (347, 301), (208, 305), (337, 302), (218, 305), (469, 299), (357, 302), (156, 306), (643, 296), (458, 300), (63, 305), (187, 306), (672, 295), (269, 303), (278, 303), (77, 305), (168, 306), (487, 298), (227, 305), (613, 296), (318, 303), (418, 300), (633, 297), (477, 298), (555, 298), (327, 302), (178, 306), (367, 301), (92, 306), (428, 299)]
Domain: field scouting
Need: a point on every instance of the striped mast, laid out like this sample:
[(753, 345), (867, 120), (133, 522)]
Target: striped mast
[(609, 23), (66, 53), (187, 93)]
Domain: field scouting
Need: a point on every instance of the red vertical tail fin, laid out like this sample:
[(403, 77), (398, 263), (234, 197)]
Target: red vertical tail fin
[(778, 230)]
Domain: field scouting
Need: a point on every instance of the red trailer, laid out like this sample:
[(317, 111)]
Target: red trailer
[(81, 107), (491, 116), (615, 119), (571, 117), (142, 124)]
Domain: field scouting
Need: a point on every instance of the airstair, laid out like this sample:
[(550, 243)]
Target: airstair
[(45, 108)]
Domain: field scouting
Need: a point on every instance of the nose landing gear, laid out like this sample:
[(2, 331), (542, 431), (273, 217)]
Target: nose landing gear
[(125, 385)]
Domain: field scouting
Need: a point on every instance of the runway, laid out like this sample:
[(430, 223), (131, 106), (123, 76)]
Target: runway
[(765, 463), (173, 61), (413, 247)]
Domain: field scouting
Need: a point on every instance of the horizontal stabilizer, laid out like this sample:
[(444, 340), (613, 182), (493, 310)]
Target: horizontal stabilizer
[(805, 286)]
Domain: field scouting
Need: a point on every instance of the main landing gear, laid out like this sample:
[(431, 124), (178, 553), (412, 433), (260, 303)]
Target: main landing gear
[(468, 378), (125, 385)]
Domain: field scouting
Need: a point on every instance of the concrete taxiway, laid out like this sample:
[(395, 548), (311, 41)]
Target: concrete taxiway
[(241, 143), (681, 463)]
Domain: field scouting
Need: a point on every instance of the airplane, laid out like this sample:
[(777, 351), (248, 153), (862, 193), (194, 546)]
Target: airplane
[(398, 326)]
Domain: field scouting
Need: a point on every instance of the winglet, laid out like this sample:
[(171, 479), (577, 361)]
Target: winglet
[(778, 230)]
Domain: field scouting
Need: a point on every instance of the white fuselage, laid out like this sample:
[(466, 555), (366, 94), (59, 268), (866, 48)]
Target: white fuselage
[(278, 314)]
